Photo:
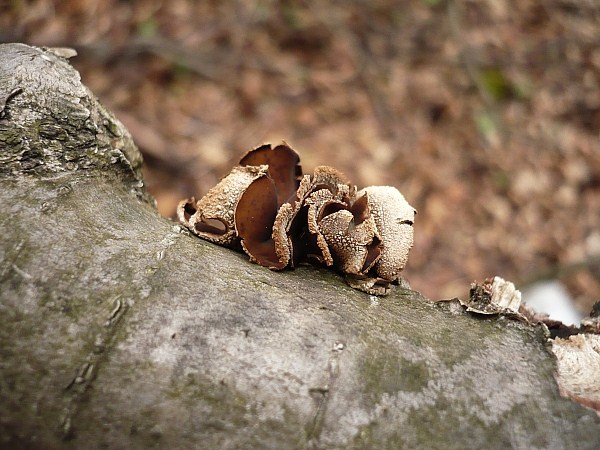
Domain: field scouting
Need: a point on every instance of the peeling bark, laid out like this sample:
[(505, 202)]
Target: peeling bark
[(121, 330)]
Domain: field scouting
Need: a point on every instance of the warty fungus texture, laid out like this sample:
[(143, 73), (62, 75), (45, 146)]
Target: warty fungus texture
[(281, 218)]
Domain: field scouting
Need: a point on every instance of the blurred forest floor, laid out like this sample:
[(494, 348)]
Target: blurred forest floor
[(485, 114)]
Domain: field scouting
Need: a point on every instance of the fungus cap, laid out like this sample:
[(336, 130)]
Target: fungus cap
[(394, 218), (213, 216)]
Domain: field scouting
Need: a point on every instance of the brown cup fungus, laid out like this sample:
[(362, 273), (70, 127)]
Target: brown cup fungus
[(282, 218)]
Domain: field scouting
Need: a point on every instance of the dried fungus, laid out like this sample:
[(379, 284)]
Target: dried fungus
[(282, 218), (578, 360), (213, 216)]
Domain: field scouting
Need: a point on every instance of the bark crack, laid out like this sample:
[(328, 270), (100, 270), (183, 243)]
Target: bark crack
[(105, 339), (322, 395), (87, 370)]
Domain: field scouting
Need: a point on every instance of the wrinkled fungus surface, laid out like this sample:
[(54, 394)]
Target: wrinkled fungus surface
[(282, 218)]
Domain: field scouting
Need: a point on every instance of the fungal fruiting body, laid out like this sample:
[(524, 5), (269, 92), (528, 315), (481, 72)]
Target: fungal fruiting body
[(281, 218), (213, 216), (393, 219)]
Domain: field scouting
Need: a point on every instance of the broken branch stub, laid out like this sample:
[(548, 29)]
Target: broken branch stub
[(282, 218)]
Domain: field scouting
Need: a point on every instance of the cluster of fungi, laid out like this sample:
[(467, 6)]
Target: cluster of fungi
[(282, 218)]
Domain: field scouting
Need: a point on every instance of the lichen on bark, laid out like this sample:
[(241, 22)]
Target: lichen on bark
[(68, 130)]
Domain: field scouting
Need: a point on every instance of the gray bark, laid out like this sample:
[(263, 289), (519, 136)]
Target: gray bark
[(121, 330)]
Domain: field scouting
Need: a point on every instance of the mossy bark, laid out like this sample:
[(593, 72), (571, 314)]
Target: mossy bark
[(121, 330)]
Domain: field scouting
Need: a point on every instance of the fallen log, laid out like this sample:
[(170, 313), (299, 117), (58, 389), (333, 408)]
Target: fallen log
[(119, 329)]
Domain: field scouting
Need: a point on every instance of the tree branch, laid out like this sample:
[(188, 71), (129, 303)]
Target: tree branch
[(121, 330)]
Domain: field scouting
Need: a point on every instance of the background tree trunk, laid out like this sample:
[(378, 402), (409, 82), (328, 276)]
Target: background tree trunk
[(121, 330)]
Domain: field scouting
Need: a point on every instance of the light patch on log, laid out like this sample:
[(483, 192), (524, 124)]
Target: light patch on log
[(579, 368)]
